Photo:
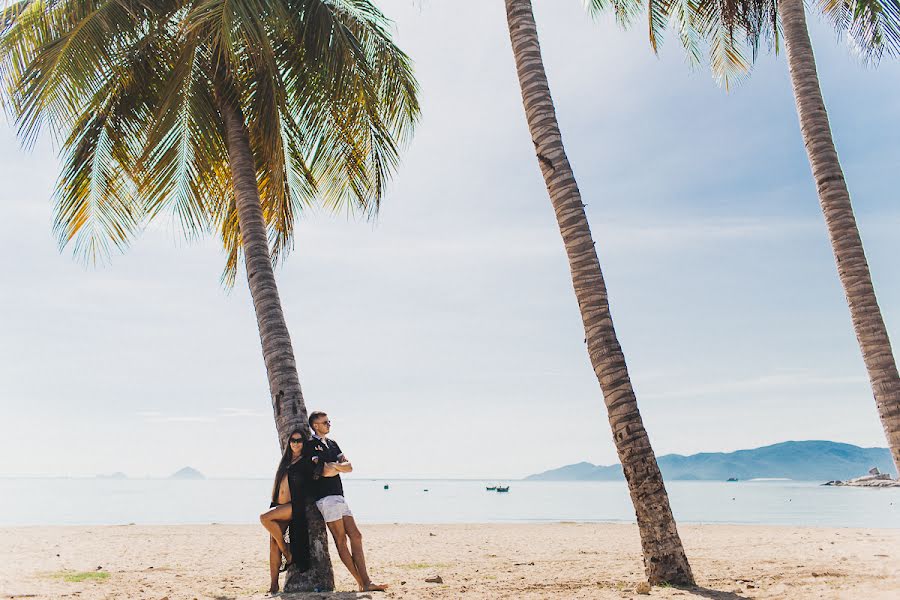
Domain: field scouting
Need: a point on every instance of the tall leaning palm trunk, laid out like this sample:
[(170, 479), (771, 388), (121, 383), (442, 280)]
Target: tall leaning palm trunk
[(846, 244), (278, 353), (233, 116), (664, 557)]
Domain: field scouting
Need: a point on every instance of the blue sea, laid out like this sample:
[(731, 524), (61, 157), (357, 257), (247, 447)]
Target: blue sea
[(63, 501)]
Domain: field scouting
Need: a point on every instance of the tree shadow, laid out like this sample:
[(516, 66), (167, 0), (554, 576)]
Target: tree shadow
[(329, 595), (703, 592)]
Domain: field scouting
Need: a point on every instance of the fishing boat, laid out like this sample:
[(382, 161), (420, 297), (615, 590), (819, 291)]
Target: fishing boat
[(502, 489), (491, 488)]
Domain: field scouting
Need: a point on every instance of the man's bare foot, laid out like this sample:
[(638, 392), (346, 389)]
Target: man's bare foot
[(273, 589), (372, 587)]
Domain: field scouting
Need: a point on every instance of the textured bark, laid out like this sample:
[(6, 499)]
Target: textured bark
[(664, 557), (846, 244), (281, 368)]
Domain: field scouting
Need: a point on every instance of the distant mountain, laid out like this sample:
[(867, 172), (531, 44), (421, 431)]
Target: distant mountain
[(187, 473), (810, 461)]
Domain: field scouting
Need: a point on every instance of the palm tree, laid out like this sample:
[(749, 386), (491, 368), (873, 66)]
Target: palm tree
[(732, 27), (664, 557), (232, 116)]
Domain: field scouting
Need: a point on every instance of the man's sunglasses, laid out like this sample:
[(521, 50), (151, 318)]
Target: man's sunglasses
[(325, 423), (296, 440)]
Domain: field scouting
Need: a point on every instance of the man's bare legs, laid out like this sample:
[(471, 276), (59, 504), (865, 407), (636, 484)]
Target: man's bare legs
[(352, 555), (359, 557), (340, 540)]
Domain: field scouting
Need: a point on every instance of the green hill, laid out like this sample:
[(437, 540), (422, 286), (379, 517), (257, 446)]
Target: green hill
[(806, 461)]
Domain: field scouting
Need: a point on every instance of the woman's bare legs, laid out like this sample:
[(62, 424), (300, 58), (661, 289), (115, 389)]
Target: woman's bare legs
[(276, 520), (274, 565)]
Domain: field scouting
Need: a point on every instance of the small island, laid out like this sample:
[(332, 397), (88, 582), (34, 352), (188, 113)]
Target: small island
[(187, 473), (875, 478)]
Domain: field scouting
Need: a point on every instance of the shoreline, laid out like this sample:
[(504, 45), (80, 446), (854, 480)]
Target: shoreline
[(362, 523), (537, 560)]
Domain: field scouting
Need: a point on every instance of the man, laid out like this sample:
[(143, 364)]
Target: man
[(328, 492)]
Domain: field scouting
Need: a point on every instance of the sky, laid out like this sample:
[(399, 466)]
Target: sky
[(443, 339)]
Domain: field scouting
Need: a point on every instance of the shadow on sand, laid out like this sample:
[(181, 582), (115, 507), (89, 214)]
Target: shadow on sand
[(328, 595), (702, 592)]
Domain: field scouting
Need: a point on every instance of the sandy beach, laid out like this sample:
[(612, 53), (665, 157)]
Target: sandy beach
[(559, 560)]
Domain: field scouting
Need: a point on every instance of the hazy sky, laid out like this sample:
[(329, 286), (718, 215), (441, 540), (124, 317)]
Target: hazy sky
[(444, 339)]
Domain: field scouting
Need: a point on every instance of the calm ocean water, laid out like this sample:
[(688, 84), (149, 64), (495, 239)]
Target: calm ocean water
[(160, 501)]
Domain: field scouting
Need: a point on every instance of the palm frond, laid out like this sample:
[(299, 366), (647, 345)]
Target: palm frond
[(625, 11), (872, 26), (327, 98), (183, 145)]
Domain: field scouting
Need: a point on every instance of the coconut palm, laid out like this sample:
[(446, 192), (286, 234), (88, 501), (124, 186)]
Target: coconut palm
[(664, 557), (734, 30), (230, 117)]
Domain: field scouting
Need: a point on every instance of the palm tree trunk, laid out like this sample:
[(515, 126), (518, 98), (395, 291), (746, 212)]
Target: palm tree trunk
[(281, 368), (664, 557), (846, 244)]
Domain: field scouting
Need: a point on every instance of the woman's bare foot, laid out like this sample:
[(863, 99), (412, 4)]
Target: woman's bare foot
[(273, 589), (372, 587), (287, 561)]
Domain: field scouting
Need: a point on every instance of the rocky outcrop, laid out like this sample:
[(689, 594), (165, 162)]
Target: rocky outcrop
[(873, 479)]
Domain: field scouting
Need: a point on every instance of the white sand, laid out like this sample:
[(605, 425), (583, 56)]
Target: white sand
[(475, 561)]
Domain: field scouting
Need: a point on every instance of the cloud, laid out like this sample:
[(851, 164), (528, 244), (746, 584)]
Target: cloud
[(244, 412), (189, 419), (153, 416), (787, 378)]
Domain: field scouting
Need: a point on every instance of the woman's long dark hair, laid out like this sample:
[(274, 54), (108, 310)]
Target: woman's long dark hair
[(285, 463)]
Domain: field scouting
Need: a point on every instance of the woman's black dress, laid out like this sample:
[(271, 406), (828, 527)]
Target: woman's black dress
[(298, 530)]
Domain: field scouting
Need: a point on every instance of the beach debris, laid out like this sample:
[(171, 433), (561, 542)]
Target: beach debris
[(642, 588), (528, 564), (432, 534), (402, 583), (435, 579)]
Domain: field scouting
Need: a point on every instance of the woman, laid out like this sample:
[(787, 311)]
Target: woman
[(281, 514)]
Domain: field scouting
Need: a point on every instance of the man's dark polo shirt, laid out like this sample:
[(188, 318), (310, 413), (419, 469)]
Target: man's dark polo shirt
[(327, 451)]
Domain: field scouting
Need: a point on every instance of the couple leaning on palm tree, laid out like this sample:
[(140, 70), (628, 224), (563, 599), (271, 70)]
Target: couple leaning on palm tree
[(310, 470), (234, 116)]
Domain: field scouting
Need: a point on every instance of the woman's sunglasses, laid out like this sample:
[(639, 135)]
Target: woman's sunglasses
[(296, 440)]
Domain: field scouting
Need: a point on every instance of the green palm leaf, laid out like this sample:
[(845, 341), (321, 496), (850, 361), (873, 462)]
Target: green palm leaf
[(127, 85)]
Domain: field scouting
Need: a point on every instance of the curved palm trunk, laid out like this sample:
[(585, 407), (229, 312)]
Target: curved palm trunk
[(284, 382), (664, 557), (846, 244)]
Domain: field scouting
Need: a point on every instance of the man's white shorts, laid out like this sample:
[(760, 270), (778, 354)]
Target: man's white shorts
[(333, 508)]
